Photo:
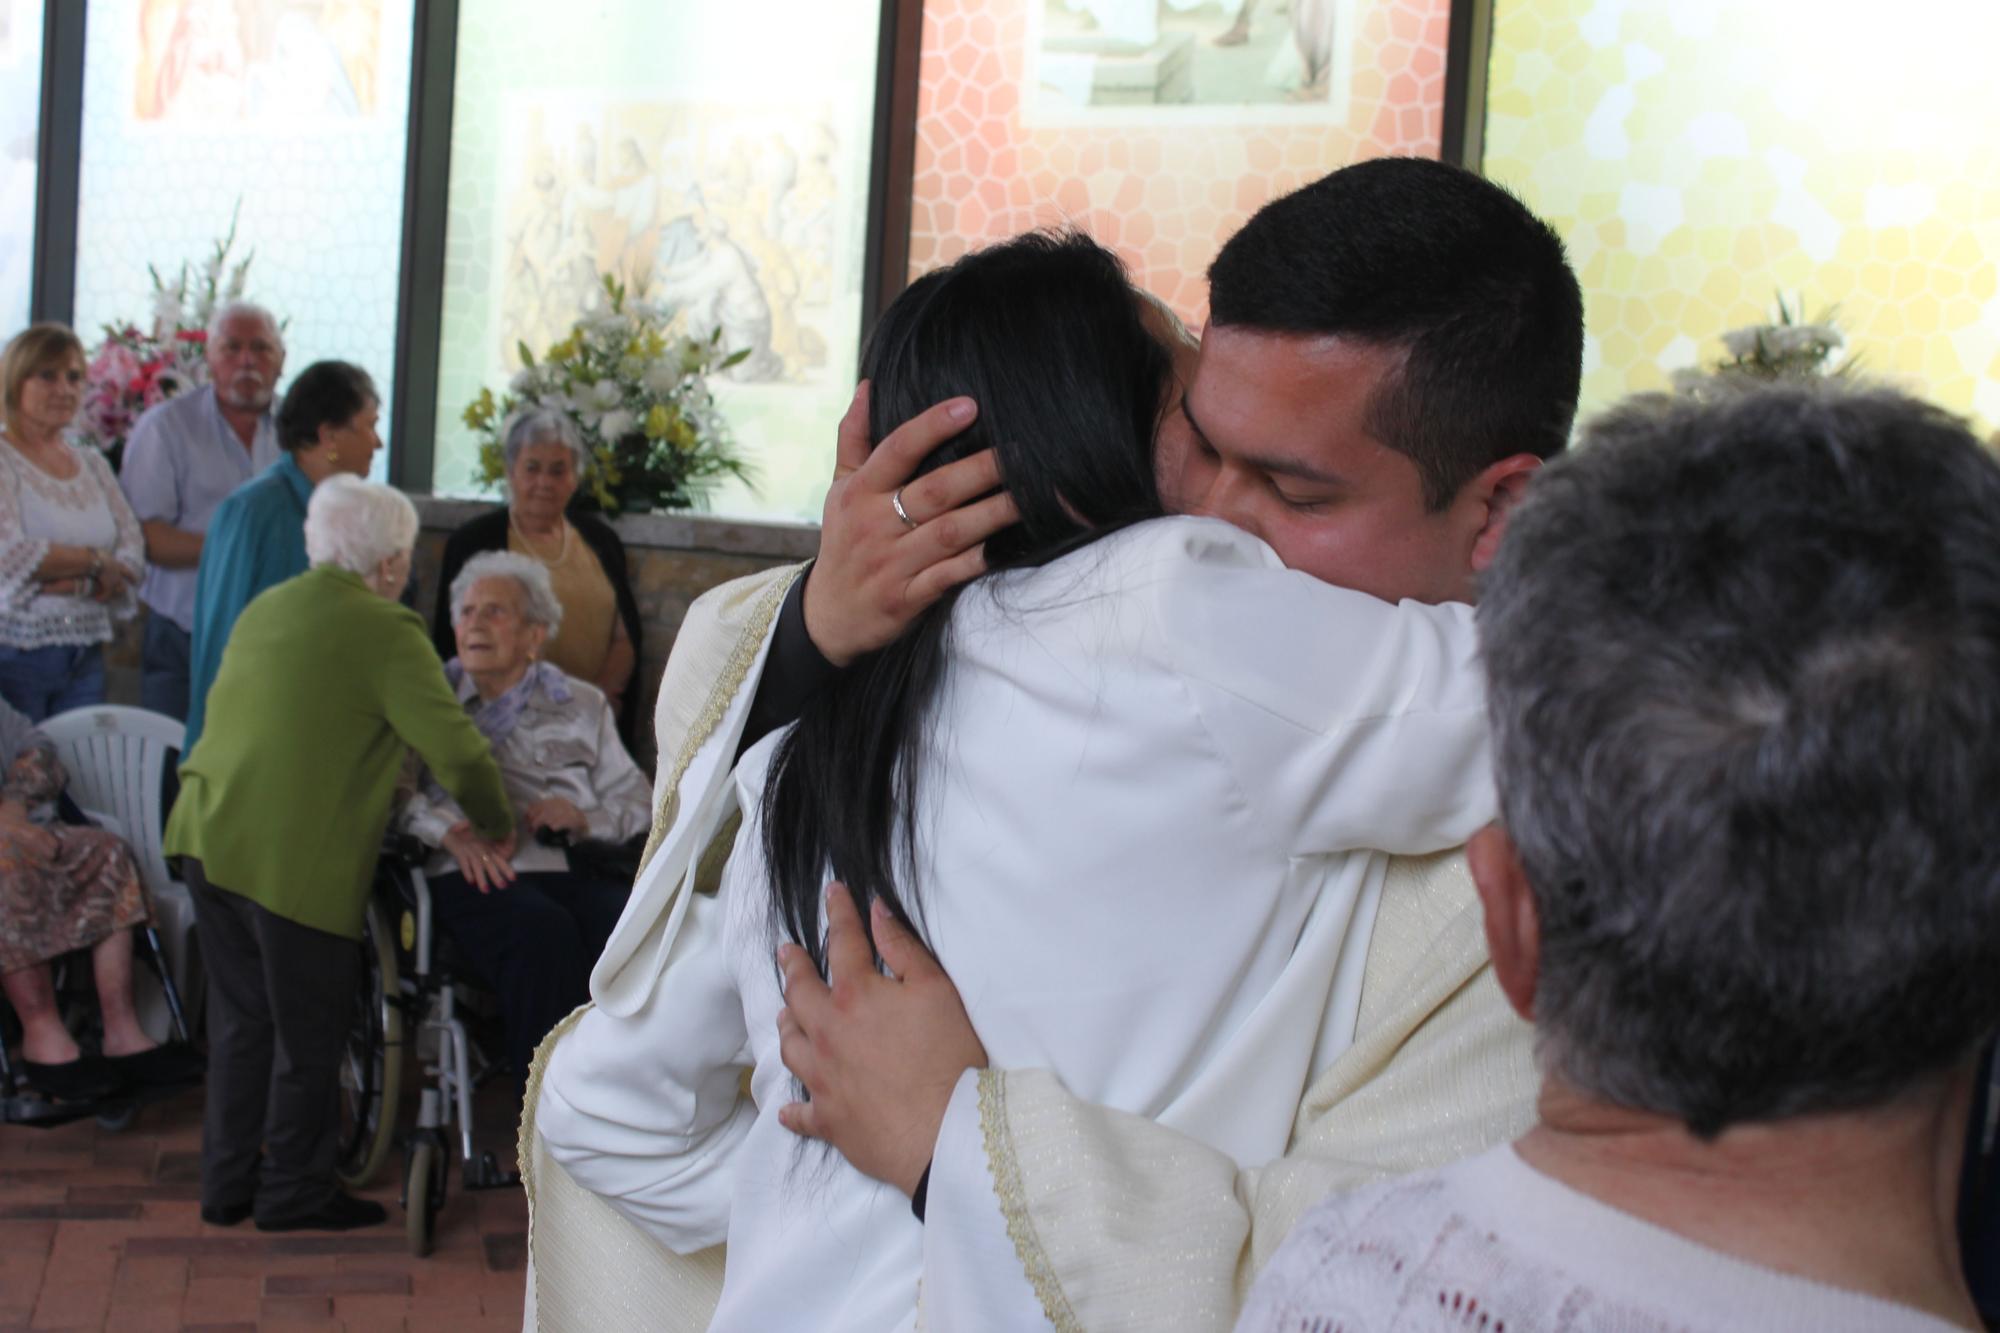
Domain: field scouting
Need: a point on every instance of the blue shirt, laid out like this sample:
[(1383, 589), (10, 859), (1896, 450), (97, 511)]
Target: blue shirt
[(183, 458), (256, 539)]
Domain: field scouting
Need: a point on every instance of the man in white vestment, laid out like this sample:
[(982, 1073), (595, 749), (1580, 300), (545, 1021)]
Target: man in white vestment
[(1742, 665), (1371, 412)]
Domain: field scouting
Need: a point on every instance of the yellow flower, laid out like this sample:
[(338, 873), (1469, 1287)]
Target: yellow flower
[(479, 412), (683, 435), (659, 422)]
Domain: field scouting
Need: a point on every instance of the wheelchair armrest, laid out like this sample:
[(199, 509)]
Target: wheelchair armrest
[(405, 849)]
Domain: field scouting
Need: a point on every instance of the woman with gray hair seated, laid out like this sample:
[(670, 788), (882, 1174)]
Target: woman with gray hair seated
[(598, 640), (569, 780), (326, 684)]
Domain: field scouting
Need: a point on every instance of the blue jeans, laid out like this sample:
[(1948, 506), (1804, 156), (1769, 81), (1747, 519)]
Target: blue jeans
[(41, 682), (163, 686)]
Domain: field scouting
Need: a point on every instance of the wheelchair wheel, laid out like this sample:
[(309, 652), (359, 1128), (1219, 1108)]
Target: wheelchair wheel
[(371, 1070), (423, 1194)]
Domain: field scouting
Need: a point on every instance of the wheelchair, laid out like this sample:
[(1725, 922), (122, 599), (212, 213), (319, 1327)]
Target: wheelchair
[(412, 993)]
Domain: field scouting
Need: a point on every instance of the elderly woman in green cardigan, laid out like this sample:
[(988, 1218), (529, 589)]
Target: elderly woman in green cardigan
[(325, 686)]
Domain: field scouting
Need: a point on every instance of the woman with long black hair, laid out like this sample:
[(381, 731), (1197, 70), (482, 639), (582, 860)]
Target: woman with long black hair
[(1110, 783)]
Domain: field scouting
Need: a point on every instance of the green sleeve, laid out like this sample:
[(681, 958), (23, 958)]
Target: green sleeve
[(429, 718)]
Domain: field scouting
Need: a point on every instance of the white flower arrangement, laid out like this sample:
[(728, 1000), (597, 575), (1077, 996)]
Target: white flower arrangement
[(638, 395), (1790, 348)]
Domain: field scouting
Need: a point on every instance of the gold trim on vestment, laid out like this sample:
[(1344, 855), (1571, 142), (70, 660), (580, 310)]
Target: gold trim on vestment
[(734, 673), (1013, 1196), (524, 1143)]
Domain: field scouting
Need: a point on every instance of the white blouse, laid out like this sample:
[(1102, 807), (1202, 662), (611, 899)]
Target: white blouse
[(1492, 1243), (1163, 776), (37, 511)]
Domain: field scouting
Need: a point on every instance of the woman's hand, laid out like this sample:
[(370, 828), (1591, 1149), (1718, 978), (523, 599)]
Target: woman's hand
[(17, 827), (486, 865), (875, 572), (553, 812), (114, 580)]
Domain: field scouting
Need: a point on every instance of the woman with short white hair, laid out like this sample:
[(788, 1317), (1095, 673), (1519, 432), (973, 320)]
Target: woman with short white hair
[(570, 781), (324, 687)]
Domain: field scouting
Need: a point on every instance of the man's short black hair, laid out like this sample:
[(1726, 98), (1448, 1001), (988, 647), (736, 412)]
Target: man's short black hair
[(1455, 271)]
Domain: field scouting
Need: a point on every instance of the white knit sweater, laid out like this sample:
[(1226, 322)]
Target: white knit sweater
[(1490, 1245)]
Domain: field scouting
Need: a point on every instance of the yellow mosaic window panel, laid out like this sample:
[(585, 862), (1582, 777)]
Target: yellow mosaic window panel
[(1701, 156), (1158, 125)]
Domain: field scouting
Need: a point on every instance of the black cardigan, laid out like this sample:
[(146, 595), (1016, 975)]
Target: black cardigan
[(488, 532)]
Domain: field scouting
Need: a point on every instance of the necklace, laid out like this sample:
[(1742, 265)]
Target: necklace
[(562, 551)]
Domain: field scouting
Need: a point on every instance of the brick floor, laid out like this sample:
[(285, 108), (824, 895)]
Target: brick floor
[(103, 1231)]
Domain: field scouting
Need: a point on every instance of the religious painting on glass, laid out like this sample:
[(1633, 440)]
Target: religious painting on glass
[(255, 61)]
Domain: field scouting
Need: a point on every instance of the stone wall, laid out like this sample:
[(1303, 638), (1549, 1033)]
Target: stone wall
[(673, 560)]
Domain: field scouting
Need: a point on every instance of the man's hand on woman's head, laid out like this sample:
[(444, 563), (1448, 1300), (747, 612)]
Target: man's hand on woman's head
[(878, 1055), (875, 572)]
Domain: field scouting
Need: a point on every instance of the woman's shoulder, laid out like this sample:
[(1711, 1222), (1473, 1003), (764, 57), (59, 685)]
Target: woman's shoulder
[(1188, 539), (601, 538), (486, 532), (585, 699), (1147, 558), (95, 464)]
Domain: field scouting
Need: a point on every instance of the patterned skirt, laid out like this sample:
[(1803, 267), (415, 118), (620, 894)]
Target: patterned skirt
[(50, 905)]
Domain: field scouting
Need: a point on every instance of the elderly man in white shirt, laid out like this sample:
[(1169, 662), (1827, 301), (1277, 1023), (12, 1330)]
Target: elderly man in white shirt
[(1742, 662), (1346, 439), (183, 459)]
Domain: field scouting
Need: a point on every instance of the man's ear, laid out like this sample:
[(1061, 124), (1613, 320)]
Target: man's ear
[(1513, 930), (1500, 487)]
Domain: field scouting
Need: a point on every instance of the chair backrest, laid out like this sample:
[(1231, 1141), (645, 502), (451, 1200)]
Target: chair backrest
[(119, 761)]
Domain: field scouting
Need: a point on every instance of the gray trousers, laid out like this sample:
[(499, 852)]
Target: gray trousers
[(280, 997)]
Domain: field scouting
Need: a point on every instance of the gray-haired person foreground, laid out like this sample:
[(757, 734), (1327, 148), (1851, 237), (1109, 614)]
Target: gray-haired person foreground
[(568, 778), (1744, 670)]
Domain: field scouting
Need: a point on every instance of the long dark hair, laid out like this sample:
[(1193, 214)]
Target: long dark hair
[(1044, 333)]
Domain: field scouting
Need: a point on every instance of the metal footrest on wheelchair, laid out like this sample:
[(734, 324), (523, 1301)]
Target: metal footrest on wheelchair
[(484, 1172), (33, 1109)]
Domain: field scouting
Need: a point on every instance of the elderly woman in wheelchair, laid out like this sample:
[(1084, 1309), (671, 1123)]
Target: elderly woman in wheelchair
[(531, 925), (65, 887)]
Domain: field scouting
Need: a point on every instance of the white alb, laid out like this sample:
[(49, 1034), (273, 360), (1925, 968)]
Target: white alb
[(1164, 774)]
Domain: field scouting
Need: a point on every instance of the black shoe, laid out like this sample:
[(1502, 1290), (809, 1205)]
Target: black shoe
[(343, 1212), (172, 1065), (83, 1079), (225, 1214)]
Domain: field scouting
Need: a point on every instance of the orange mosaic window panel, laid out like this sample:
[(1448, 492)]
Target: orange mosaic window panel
[(1163, 151)]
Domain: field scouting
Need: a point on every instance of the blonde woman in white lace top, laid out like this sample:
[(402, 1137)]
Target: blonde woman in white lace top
[(70, 546)]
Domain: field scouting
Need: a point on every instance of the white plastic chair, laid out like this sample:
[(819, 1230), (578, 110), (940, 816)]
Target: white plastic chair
[(116, 759)]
